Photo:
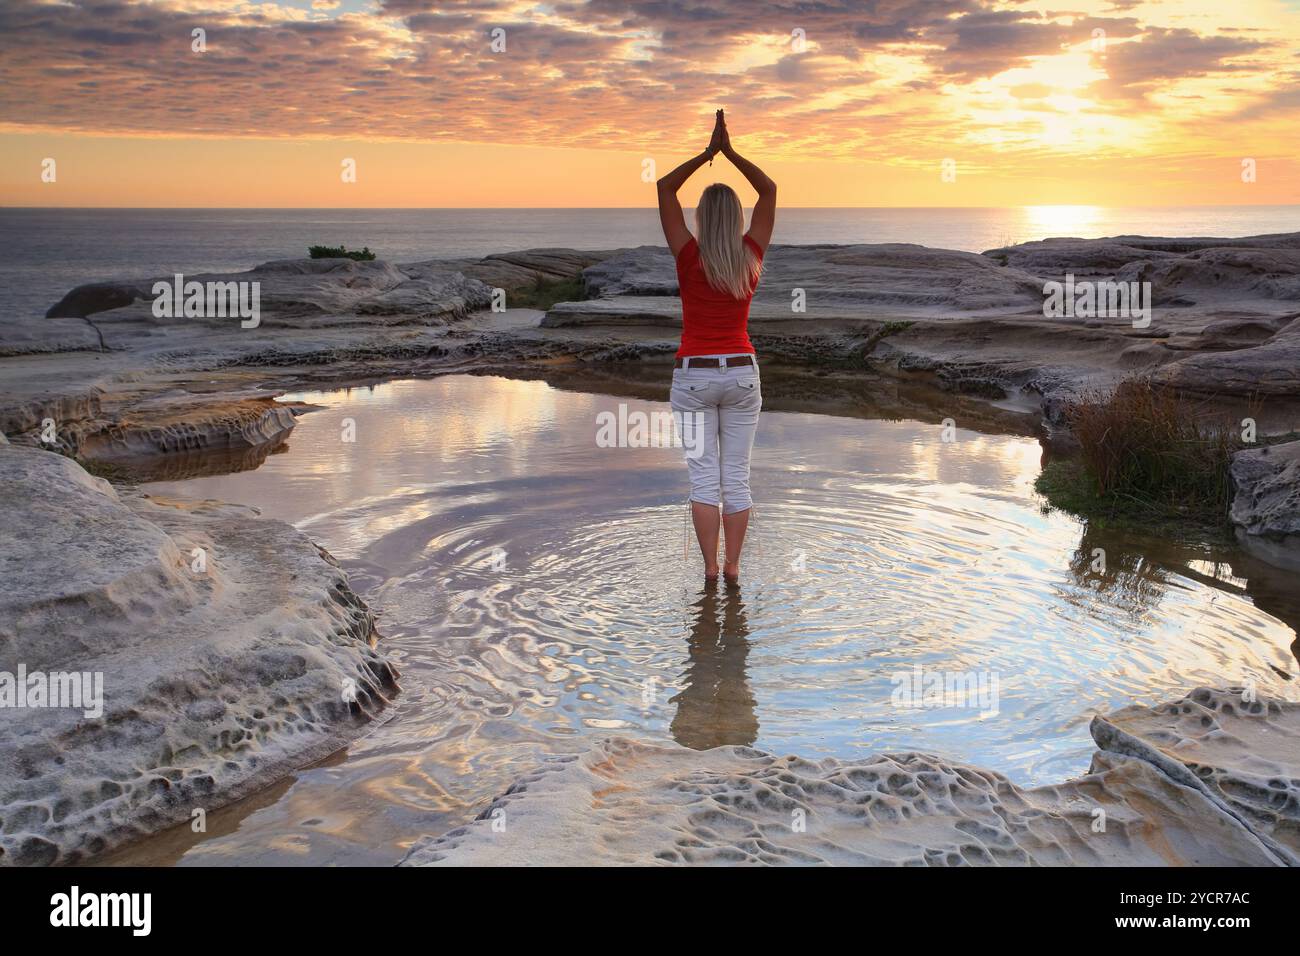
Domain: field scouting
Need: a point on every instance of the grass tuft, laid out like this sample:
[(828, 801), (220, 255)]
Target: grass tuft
[(1148, 446), (545, 292)]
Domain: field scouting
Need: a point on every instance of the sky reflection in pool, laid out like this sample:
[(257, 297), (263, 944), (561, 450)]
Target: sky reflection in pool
[(538, 590)]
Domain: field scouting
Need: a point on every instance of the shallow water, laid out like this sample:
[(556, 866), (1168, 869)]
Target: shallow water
[(536, 592)]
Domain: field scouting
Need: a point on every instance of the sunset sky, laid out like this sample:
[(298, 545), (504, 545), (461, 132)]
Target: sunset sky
[(844, 102)]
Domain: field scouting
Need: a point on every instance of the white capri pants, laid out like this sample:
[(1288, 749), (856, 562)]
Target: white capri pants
[(716, 412)]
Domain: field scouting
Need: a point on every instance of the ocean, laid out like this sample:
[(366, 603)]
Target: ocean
[(49, 251)]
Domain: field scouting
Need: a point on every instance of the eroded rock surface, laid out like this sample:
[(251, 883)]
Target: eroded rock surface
[(217, 677), (1203, 781), (842, 281), (1225, 325), (1245, 753), (517, 271), (1266, 505), (291, 290)]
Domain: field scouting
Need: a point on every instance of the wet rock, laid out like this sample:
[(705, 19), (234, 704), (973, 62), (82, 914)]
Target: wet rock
[(95, 297), (298, 293), (73, 402), (1271, 368), (1266, 504), (638, 803), (222, 644), (517, 271), (841, 281), (1227, 334), (1244, 753), (1084, 258), (971, 323), (1248, 273), (1104, 257), (643, 271), (432, 295), (258, 424)]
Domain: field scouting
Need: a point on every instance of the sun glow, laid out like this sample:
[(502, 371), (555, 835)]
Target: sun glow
[(1062, 220), (855, 106)]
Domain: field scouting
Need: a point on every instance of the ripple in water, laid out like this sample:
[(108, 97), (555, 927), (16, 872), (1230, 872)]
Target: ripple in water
[(537, 590)]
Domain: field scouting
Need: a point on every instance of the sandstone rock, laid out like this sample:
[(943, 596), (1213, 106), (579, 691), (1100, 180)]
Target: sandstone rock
[(1221, 324), (638, 803), (73, 403), (1266, 505), (299, 293), (48, 335), (182, 427), (95, 297), (215, 681), (635, 310), (1097, 257), (1244, 753), (515, 271), (1227, 334), (446, 295), (1265, 370), (842, 281), (1209, 274), (643, 271), (966, 322), (1084, 258)]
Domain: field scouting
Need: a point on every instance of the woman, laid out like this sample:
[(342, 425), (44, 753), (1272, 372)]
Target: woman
[(715, 384)]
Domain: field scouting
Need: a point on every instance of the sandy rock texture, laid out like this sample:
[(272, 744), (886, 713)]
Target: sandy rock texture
[(1223, 322), (217, 678), (1266, 504), (167, 388), (294, 290), (1225, 325), (1169, 789), (1243, 754)]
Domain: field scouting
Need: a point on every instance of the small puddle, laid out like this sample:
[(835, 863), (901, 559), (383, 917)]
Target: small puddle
[(538, 591)]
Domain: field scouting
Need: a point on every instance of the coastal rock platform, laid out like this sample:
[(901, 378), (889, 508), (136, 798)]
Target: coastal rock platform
[(212, 652), (1202, 781)]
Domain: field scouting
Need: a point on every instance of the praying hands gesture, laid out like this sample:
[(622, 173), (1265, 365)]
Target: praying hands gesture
[(761, 221)]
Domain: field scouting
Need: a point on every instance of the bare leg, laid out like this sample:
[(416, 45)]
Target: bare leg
[(734, 526), (706, 518)]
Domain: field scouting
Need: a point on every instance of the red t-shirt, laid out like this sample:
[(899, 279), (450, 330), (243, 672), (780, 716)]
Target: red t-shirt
[(713, 323)]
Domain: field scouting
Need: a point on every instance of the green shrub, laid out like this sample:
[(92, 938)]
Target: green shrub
[(340, 252)]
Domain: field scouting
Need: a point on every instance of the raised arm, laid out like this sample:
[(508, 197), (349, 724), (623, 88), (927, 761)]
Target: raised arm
[(763, 219), (670, 208)]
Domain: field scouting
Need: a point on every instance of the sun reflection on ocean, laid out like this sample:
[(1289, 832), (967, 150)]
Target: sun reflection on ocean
[(1042, 222)]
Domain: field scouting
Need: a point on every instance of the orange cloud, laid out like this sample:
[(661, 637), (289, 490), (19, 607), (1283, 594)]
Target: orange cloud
[(1114, 101)]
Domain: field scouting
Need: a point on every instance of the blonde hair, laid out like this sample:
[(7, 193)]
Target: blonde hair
[(730, 266)]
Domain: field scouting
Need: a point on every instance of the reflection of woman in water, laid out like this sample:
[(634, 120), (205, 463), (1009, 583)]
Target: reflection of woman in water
[(716, 706), (715, 385)]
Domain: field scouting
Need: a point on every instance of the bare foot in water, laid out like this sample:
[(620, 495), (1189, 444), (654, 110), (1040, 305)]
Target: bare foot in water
[(731, 571), (710, 574)]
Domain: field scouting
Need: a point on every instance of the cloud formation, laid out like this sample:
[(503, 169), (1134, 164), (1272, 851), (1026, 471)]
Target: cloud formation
[(815, 78)]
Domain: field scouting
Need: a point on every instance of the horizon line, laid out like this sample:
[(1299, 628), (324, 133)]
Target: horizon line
[(1045, 205)]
